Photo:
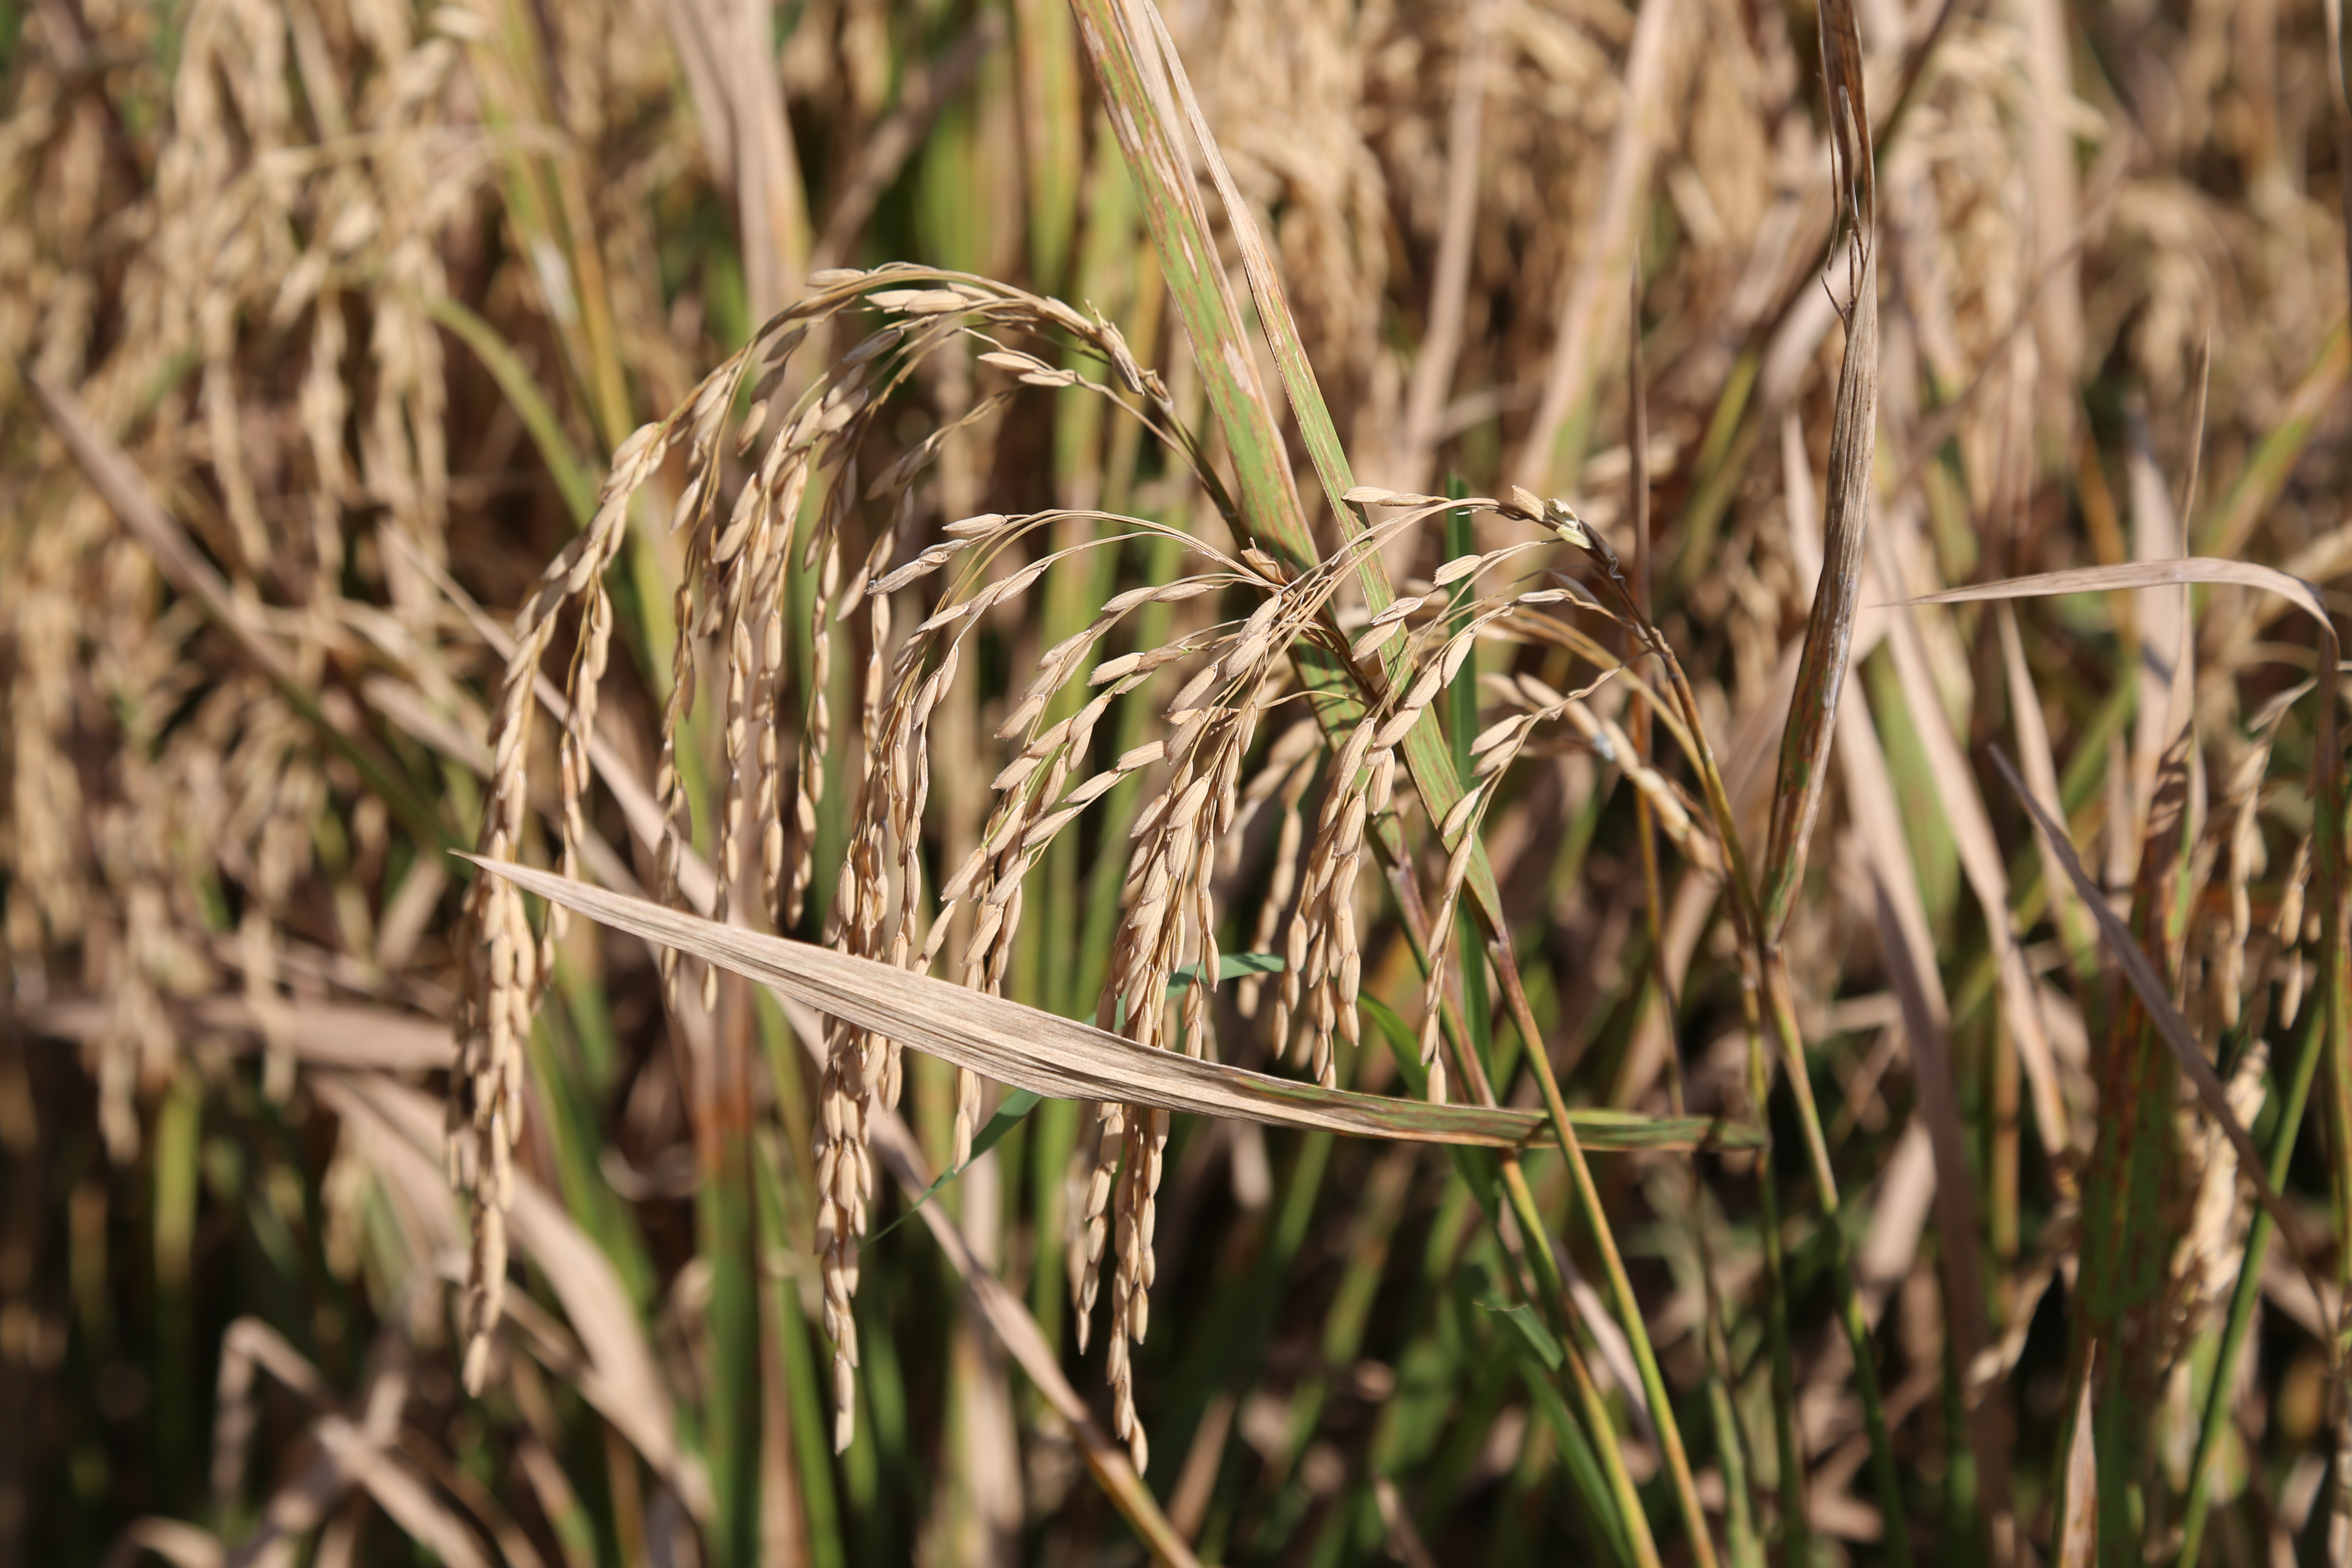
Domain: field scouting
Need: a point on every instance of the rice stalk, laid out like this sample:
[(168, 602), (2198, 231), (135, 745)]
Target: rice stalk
[(1120, 72)]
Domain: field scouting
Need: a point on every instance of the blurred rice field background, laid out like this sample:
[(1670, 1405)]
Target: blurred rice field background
[(1639, 1038)]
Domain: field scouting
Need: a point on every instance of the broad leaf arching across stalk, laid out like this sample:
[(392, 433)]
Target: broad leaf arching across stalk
[(1065, 1059)]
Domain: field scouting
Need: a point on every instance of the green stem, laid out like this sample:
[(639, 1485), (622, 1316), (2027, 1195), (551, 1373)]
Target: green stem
[(1535, 1249), (1796, 1528), (1613, 1262), (1554, 1291)]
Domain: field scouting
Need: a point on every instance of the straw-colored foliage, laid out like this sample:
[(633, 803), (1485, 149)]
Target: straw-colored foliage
[(1536, 771)]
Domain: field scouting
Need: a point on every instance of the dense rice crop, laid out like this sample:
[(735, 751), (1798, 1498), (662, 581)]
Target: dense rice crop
[(1280, 783)]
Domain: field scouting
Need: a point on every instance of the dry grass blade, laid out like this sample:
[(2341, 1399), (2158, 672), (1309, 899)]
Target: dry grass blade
[(1404, 1541), (2078, 1528), (2167, 674), (358, 1450), (327, 1033), (127, 492), (1010, 1043), (1851, 160), (724, 48), (2148, 574), (181, 1545), (1854, 440), (251, 1346)]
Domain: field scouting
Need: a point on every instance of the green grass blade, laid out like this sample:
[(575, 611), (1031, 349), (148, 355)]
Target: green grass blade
[(572, 474), (1010, 1113)]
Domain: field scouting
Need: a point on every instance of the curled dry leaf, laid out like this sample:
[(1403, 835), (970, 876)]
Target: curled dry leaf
[(1812, 724), (1010, 1043)]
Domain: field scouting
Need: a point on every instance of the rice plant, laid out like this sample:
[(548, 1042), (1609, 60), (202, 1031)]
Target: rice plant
[(1263, 783)]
